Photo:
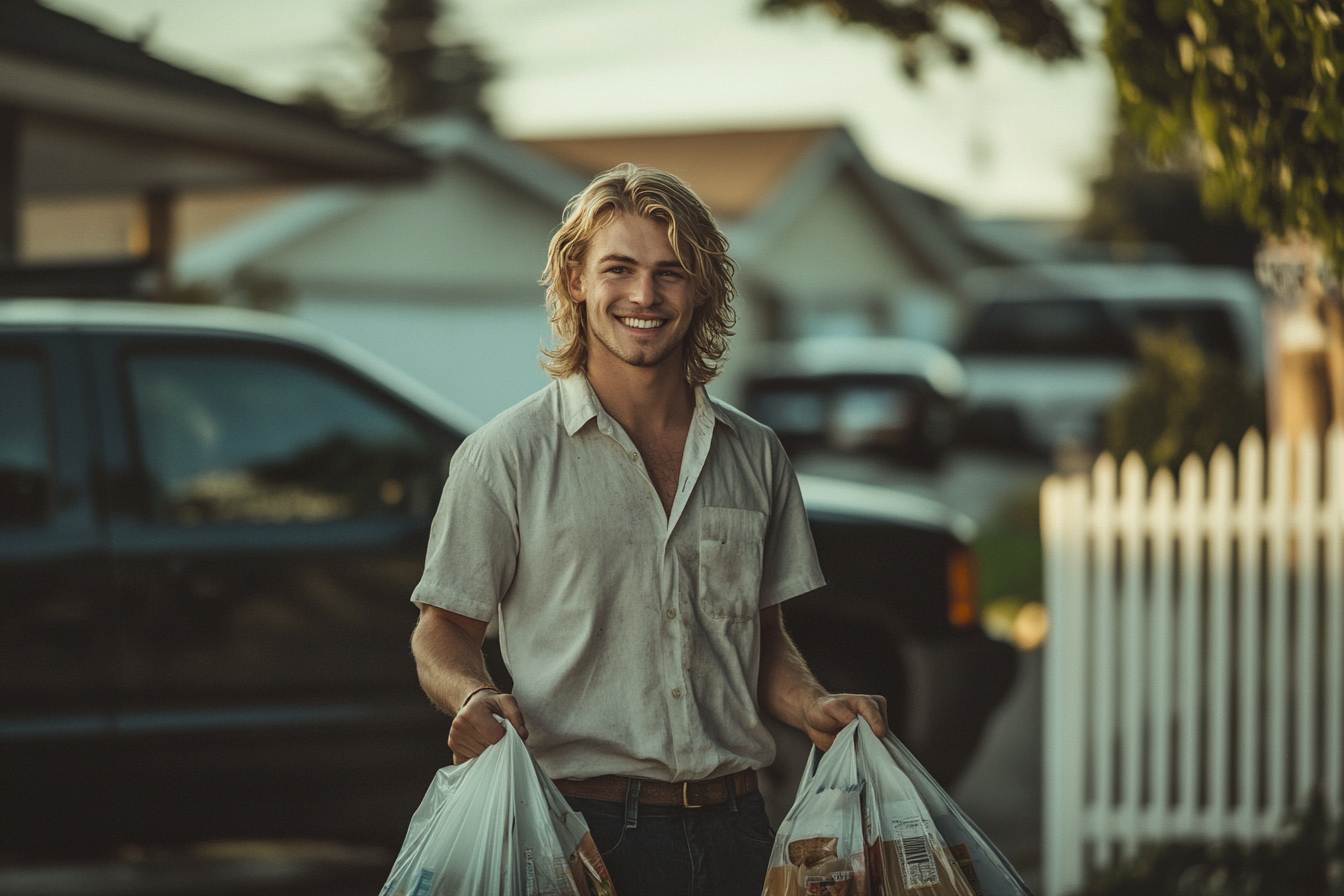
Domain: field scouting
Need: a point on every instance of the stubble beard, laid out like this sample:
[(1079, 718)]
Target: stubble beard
[(650, 356)]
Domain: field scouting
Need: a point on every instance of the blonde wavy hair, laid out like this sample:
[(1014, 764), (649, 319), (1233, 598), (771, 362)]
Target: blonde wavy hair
[(699, 246)]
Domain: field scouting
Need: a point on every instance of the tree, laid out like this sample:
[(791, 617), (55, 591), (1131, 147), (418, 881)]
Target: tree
[(1258, 83), (1037, 26), (1137, 203), (424, 75)]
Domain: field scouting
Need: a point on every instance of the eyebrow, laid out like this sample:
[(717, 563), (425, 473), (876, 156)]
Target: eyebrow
[(628, 260)]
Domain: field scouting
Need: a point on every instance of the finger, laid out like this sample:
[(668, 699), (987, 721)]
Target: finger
[(875, 714), (841, 710), (508, 708), (462, 742), (469, 732), (480, 715), (822, 739)]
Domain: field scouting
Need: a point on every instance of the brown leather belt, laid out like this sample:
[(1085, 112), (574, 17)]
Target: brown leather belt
[(687, 794)]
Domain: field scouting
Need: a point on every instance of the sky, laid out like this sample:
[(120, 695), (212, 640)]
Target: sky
[(1012, 137)]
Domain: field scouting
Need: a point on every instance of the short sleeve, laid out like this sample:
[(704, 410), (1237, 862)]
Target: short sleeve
[(789, 560), (473, 541)]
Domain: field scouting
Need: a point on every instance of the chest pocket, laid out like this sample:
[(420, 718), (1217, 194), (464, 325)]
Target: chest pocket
[(731, 550)]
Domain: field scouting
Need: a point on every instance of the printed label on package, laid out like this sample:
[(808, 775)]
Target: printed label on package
[(424, 883)]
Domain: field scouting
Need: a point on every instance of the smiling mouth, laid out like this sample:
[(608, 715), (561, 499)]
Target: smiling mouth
[(641, 323)]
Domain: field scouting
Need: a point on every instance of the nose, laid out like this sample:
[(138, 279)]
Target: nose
[(644, 289)]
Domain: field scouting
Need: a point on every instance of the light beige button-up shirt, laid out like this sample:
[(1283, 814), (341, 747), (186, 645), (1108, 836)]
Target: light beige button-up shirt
[(632, 635)]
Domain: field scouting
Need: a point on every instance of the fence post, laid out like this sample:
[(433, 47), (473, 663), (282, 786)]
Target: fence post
[(1163, 642), (1218, 671), (1333, 528), (1250, 668), (1131, 650), (1063, 510)]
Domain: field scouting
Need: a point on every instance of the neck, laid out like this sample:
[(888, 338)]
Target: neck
[(642, 398)]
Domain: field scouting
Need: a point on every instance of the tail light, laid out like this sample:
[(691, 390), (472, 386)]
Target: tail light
[(963, 588)]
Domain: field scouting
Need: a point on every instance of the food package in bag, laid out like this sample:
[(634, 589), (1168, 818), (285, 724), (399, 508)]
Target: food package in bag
[(986, 870), (820, 849), (912, 839), (496, 826)]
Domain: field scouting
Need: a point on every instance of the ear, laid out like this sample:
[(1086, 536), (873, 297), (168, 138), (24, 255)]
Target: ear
[(574, 280)]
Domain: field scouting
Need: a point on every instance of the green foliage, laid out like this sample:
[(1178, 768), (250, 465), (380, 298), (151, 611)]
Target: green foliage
[(1037, 26), (1182, 401), (1258, 83), (1137, 203), (1008, 553), (1307, 862)]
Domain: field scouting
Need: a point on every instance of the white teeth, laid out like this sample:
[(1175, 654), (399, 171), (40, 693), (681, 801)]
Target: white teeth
[(641, 324)]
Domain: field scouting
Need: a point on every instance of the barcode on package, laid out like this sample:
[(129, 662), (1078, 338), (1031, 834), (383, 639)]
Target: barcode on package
[(424, 884), (918, 868), (914, 850)]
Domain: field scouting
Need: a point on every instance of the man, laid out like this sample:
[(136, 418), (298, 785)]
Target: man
[(636, 538)]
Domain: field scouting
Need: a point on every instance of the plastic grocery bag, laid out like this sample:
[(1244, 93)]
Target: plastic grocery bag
[(870, 821), (497, 826)]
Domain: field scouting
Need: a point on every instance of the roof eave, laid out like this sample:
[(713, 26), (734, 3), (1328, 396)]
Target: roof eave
[(245, 125)]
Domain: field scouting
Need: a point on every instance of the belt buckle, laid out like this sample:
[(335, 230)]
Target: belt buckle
[(685, 798)]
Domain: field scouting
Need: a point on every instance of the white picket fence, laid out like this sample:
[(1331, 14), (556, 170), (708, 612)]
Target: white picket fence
[(1194, 672)]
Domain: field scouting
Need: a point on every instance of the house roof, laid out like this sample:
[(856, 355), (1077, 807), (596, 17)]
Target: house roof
[(760, 181), (733, 171), (439, 139), (100, 113)]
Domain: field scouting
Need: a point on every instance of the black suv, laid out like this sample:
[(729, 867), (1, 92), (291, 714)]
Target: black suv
[(210, 524)]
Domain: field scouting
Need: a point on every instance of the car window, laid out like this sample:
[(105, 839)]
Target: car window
[(1066, 328), (789, 410), (1210, 326), (26, 471), (235, 438)]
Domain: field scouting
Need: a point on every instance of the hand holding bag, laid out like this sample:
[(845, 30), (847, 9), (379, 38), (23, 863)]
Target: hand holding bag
[(870, 821), (496, 826)]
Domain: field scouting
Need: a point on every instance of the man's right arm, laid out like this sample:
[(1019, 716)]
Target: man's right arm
[(448, 658)]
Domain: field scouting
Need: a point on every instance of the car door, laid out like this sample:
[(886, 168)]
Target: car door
[(270, 522), (57, 690)]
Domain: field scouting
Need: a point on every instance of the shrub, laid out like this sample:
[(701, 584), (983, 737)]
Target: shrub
[(1184, 400), (1307, 861)]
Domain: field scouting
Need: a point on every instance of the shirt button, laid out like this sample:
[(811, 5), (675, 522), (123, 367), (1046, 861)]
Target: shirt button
[(634, 457), (676, 692), (671, 614)]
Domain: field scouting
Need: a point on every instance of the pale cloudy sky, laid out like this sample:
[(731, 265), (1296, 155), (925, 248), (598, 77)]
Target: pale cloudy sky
[(1012, 137)]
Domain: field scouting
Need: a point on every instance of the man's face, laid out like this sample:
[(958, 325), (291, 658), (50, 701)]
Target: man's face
[(639, 298)]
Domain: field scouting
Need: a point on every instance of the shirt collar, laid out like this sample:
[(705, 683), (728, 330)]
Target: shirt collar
[(579, 404)]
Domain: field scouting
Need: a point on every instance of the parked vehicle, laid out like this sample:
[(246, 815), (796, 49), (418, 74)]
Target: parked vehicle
[(211, 521), (896, 398), (1050, 347)]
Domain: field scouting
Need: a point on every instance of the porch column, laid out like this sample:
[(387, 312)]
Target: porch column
[(11, 204), (158, 211)]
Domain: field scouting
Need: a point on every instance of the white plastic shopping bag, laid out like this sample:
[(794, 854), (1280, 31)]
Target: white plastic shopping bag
[(497, 826), (870, 821)]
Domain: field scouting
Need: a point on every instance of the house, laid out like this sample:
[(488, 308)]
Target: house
[(441, 277), (93, 125)]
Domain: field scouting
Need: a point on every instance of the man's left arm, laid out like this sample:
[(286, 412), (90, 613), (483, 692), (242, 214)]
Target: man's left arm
[(789, 691)]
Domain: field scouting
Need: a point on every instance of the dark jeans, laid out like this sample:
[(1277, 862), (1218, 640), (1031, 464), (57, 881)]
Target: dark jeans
[(671, 851)]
